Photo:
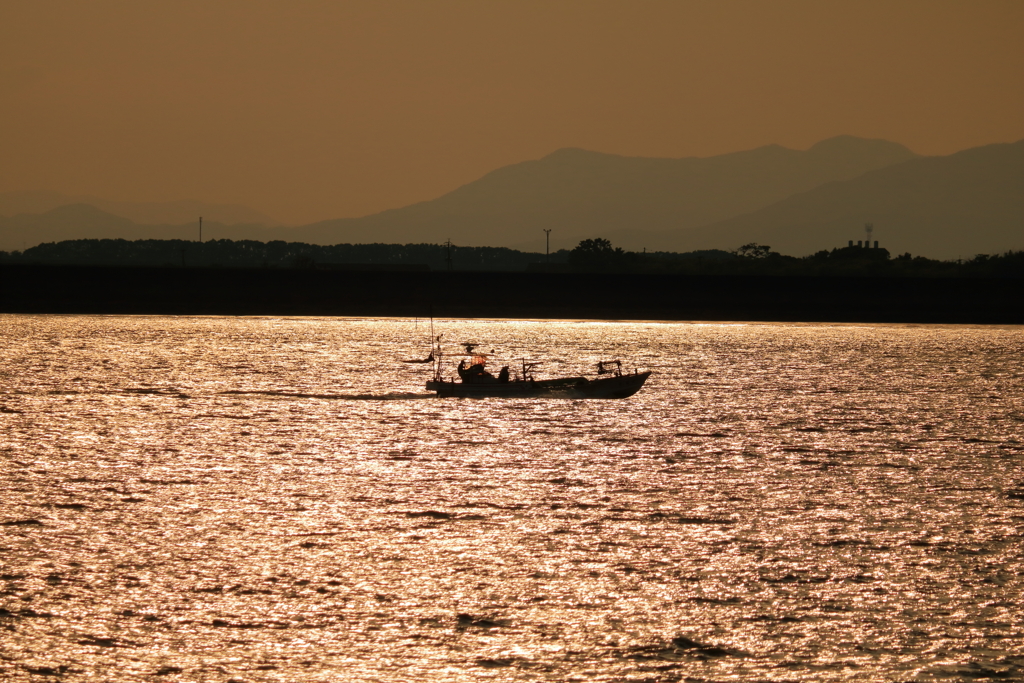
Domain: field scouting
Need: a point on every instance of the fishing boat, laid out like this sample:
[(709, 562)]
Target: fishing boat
[(472, 379)]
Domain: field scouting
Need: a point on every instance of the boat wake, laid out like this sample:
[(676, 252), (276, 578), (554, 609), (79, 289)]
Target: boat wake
[(390, 396)]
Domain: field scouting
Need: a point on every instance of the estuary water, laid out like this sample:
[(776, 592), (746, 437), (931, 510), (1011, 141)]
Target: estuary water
[(268, 499)]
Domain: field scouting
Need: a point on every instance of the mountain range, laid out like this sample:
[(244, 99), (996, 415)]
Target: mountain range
[(946, 207), (796, 201), (144, 213), (579, 194), (85, 221)]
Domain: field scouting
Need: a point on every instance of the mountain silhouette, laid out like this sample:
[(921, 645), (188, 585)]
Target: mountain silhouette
[(578, 194), (798, 202), (947, 207), (145, 213), (84, 221), (72, 221)]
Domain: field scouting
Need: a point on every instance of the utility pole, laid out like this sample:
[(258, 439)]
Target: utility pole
[(449, 259), (200, 230), (547, 248)]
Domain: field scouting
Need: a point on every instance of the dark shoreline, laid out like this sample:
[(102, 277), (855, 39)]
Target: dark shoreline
[(465, 294)]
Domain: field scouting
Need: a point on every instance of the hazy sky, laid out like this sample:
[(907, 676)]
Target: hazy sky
[(322, 109)]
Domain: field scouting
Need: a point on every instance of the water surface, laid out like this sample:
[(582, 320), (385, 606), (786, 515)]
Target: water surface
[(259, 499)]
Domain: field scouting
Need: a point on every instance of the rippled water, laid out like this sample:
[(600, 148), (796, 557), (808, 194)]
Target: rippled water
[(220, 499)]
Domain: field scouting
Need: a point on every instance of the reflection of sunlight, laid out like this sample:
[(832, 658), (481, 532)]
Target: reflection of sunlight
[(219, 494)]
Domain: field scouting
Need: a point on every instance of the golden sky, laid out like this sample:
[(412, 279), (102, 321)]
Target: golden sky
[(315, 109)]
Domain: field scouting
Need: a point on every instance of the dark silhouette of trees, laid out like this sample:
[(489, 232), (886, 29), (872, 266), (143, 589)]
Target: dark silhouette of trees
[(599, 254), (590, 255), (595, 251), (275, 254), (755, 250)]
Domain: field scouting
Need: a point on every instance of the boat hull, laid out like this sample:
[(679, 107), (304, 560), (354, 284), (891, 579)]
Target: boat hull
[(620, 386)]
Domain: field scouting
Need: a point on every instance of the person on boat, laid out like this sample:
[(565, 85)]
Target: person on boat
[(503, 375), (475, 373)]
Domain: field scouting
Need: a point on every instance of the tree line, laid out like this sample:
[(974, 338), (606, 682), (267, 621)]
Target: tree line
[(590, 255), (276, 254), (759, 259)]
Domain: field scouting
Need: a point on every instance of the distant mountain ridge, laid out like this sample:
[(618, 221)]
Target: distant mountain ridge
[(947, 207), (145, 213), (84, 221), (578, 194), (796, 201)]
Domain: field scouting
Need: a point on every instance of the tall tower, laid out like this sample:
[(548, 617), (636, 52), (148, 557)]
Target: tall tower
[(868, 229)]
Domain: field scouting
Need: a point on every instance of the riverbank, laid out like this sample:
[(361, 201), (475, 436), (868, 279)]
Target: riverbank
[(267, 291)]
